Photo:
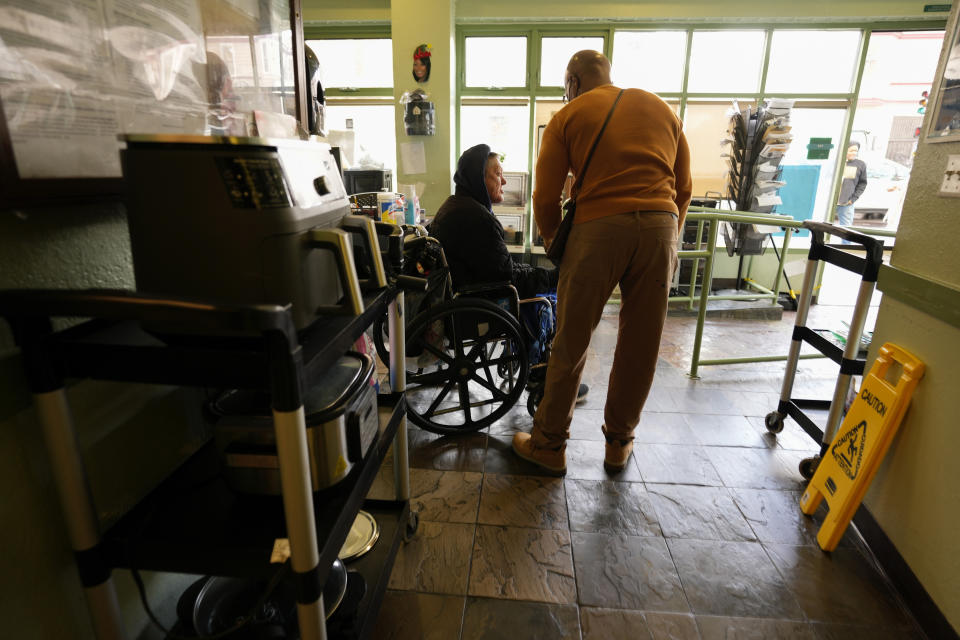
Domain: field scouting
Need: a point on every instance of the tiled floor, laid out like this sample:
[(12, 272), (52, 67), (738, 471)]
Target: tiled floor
[(701, 536)]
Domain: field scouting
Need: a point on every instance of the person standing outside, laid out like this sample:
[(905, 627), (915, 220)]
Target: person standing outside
[(854, 182), (630, 208)]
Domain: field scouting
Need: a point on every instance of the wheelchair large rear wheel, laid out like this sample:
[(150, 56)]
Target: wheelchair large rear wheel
[(466, 366)]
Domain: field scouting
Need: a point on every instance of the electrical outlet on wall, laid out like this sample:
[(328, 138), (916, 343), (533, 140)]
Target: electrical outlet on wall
[(951, 178)]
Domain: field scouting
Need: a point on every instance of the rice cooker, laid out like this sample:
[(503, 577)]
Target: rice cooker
[(341, 419)]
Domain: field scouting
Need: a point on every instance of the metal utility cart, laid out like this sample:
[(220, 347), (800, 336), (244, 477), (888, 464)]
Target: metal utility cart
[(211, 530), (847, 356)]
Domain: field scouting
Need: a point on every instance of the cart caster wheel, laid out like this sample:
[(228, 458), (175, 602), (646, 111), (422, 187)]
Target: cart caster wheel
[(773, 422), (413, 523), (808, 466)]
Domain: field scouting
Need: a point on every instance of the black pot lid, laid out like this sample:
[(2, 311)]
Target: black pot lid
[(323, 401), (339, 384)]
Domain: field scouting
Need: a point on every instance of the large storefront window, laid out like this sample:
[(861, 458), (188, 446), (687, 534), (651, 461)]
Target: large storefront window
[(725, 62), (813, 61), (357, 78), (650, 60), (900, 66), (704, 124), (354, 63), (809, 187), (504, 127), (555, 53), (495, 62)]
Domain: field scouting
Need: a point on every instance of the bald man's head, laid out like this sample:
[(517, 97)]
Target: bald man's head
[(586, 70)]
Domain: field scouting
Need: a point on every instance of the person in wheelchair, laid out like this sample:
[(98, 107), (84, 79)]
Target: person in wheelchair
[(472, 236)]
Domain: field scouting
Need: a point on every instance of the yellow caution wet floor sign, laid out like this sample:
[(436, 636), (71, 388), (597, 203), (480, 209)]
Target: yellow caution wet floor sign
[(849, 464)]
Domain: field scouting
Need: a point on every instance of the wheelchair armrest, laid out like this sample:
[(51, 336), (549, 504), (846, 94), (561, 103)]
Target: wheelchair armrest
[(495, 292), (484, 288), (535, 299)]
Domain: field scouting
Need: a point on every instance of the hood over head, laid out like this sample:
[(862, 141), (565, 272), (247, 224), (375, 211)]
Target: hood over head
[(469, 177)]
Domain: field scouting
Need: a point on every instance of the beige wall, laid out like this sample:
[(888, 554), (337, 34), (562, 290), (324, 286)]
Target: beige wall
[(915, 496)]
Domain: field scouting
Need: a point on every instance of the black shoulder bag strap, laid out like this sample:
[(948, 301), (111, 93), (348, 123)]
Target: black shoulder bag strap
[(569, 207), (583, 172)]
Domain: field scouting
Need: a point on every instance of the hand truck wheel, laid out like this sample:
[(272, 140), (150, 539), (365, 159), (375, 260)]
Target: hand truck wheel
[(773, 422), (808, 466)]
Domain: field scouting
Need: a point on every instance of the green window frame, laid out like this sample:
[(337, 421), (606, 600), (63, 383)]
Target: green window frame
[(373, 32), (533, 91)]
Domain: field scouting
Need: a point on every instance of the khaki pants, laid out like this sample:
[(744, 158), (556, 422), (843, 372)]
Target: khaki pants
[(639, 251)]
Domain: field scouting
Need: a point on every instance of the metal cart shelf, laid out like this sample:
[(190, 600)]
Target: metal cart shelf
[(850, 356), (194, 343)]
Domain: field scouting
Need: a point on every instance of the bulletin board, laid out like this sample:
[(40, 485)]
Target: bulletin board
[(74, 76)]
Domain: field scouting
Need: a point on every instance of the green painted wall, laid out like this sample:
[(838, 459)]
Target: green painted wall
[(415, 22), (915, 496)]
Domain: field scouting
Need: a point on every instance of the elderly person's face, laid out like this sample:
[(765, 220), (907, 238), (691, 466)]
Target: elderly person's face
[(493, 177), (852, 152)]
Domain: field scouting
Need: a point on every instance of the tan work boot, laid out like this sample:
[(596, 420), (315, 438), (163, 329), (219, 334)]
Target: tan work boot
[(617, 453), (554, 460)]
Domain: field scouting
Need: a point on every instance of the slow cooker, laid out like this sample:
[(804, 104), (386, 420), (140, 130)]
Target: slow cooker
[(341, 420)]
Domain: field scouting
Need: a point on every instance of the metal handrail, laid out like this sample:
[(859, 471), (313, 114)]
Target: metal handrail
[(702, 215)]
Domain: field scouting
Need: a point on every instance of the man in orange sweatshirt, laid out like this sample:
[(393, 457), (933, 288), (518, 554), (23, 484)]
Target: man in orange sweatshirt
[(630, 209)]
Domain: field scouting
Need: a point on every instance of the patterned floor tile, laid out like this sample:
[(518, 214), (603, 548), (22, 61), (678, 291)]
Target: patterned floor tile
[(601, 624), (734, 579), (839, 587), (626, 572), (676, 464), (705, 513), (602, 506), (523, 564), (462, 452), (435, 560), (445, 496), (724, 431), (717, 628), (488, 619), (752, 468), (408, 615), (523, 501), (585, 462)]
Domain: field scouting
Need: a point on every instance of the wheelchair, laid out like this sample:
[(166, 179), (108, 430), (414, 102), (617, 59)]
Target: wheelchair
[(472, 351)]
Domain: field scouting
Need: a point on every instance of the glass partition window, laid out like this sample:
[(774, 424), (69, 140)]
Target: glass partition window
[(496, 62), (355, 63), (506, 128), (650, 60), (813, 61), (555, 53), (899, 68), (365, 134), (725, 62)]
